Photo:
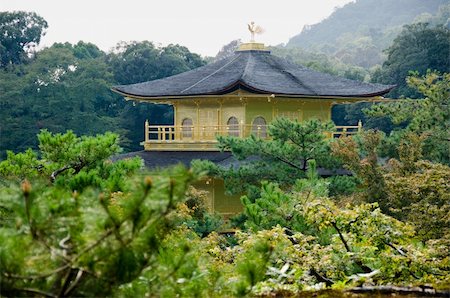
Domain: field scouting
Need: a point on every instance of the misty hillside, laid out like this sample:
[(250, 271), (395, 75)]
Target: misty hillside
[(359, 31)]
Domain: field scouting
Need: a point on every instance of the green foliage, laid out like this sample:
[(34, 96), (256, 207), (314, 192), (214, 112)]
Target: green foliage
[(283, 158), (321, 62), (408, 188), (77, 162), (419, 47), (56, 91), (429, 116), (362, 159), (193, 213), (418, 190), (21, 32), (353, 38), (342, 185), (112, 230), (68, 86), (274, 207), (89, 225), (136, 62)]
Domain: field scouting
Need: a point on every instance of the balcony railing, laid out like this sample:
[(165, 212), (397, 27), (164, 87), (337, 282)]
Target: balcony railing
[(203, 137)]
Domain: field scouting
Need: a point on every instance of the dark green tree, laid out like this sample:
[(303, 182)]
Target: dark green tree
[(419, 47), (136, 62), (56, 91), (429, 116), (20, 32)]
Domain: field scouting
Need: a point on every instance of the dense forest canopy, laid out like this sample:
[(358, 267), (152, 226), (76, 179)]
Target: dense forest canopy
[(66, 86)]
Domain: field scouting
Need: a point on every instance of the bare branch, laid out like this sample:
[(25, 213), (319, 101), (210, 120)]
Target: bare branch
[(58, 171), (36, 291), (44, 275), (74, 283)]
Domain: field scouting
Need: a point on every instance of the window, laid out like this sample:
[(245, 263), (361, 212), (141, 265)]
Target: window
[(186, 128), (259, 127), (233, 127)]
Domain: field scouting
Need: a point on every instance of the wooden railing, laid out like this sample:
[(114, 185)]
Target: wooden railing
[(209, 133)]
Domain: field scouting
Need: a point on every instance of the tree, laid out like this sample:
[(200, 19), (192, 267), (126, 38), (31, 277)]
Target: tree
[(419, 47), (21, 32), (97, 228), (56, 91), (429, 116), (408, 188), (361, 158), (137, 62), (282, 158), (228, 50), (350, 36), (89, 225)]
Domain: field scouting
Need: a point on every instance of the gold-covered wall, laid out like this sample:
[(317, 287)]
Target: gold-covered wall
[(218, 201), (209, 112)]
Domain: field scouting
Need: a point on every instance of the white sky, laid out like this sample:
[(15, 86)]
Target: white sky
[(202, 26)]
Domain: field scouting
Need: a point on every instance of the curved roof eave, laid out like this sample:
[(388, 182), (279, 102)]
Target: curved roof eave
[(241, 85)]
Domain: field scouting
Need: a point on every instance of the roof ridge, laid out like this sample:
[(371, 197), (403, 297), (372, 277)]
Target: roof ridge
[(246, 67), (294, 77), (298, 81), (210, 75)]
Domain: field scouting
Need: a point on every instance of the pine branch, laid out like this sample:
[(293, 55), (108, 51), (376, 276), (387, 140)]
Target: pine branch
[(94, 244), (402, 253), (333, 223), (36, 291), (59, 171), (321, 278), (74, 283), (44, 275)]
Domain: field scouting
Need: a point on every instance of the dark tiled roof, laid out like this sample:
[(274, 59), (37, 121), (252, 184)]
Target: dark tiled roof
[(255, 71), (161, 159)]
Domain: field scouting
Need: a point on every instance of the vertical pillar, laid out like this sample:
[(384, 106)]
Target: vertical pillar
[(217, 128), (330, 111), (359, 125), (176, 134), (197, 125), (146, 131)]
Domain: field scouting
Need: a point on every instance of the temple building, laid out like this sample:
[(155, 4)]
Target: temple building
[(237, 96)]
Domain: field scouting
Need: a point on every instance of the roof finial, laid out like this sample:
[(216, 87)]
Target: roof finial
[(254, 29)]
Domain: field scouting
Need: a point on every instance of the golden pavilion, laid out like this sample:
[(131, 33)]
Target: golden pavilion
[(237, 96)]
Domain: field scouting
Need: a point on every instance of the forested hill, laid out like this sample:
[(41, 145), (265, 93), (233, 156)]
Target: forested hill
[(363, 28)]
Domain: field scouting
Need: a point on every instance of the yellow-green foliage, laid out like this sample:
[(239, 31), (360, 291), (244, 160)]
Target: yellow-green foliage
[(118, 231)]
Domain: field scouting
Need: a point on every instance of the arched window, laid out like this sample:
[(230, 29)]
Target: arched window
[(259, 127), (186, 128), (233, 126)]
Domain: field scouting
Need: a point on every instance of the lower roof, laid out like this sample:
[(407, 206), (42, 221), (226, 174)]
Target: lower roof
[(161, 159)]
